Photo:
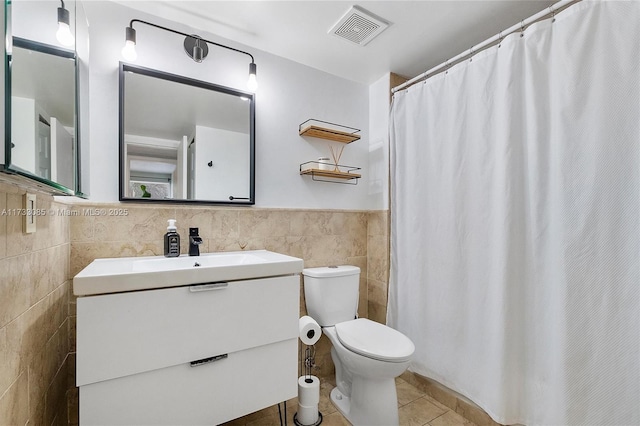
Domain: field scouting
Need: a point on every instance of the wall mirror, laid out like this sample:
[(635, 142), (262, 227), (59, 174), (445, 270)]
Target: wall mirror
[(184, 140), (45, 77), (43, 111)]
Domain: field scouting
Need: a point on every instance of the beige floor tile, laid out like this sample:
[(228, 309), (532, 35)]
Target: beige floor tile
[(269, 420), (450, 418), (419, 412), (237, 422), (334, 419), (416, 409), (407, 393), (437, 403), (251, 419), (292, 408), (326, 406)]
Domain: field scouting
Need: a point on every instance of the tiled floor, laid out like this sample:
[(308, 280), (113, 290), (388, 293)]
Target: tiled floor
[(415, 409)]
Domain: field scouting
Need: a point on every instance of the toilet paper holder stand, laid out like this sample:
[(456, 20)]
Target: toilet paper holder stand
[(308, 361), (306, 364)]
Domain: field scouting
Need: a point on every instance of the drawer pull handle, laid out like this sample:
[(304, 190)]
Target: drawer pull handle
[(208, 360), (207, 287)]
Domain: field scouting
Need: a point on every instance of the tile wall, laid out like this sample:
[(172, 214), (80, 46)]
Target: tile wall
[(320, 237), (34, 323), (378, 265)]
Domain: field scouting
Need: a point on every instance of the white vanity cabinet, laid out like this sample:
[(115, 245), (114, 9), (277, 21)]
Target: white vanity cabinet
[(196, 354)]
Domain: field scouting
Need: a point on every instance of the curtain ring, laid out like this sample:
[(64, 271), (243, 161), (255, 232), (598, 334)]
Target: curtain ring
[(553, 14), (471, 54), (522, 28), (446, 66), (499, 39)]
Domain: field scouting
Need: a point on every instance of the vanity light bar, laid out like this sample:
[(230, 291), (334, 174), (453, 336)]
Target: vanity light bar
[(199, 50)]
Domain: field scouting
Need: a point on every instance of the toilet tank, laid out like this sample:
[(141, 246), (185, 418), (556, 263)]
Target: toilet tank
[(331, 293)]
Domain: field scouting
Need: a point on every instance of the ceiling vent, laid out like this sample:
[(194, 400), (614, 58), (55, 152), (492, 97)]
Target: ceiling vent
[(359, 26)]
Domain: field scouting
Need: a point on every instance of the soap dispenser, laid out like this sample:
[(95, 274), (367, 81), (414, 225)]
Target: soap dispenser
[(172, 240)]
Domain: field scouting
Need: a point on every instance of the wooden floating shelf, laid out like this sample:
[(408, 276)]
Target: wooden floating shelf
[(330, 174), (332, 135), (315, 128)]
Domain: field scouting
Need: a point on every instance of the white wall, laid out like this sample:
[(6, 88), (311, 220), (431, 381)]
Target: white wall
[(289, 94), (379, 142)]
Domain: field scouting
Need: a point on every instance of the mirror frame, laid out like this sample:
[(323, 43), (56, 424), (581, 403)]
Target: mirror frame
[(124, 68), (50, 50), (83, 131)]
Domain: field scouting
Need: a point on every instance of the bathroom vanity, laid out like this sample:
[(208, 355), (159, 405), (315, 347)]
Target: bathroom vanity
[(188, 340)]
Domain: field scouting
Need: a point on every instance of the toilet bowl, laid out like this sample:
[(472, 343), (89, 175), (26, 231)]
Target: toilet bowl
[(365, 390), (368, 356)]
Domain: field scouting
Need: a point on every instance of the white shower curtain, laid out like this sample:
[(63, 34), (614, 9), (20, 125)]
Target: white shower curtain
[(515, 234)]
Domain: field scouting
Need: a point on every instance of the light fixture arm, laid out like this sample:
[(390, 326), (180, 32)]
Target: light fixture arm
[(189, 35)]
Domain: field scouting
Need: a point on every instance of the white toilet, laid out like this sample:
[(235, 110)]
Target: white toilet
[(368, 356)]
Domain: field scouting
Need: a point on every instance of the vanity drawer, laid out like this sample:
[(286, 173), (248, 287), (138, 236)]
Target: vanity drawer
[(209, 394), (129, 333)]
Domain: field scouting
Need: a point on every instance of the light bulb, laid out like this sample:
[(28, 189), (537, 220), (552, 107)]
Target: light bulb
[(64, 35), (252, 83), (129, 51)]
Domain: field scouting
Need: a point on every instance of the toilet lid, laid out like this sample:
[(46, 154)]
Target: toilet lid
[(374, 340)]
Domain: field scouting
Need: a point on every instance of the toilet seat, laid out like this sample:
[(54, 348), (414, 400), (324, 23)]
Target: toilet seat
[(374, 340)]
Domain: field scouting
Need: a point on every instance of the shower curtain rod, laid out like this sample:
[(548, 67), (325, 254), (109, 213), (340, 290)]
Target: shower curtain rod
[(550, 11)]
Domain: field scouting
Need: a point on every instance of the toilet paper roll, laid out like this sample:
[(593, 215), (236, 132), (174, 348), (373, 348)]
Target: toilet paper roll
[(307, 414), (308, 390), (310, 331)]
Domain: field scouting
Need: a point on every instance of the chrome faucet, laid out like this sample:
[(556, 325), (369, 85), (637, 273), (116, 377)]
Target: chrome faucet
[(194, 242)]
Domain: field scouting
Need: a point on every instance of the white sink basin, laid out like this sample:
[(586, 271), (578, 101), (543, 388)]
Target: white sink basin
[(155, 264), (116, 275)]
